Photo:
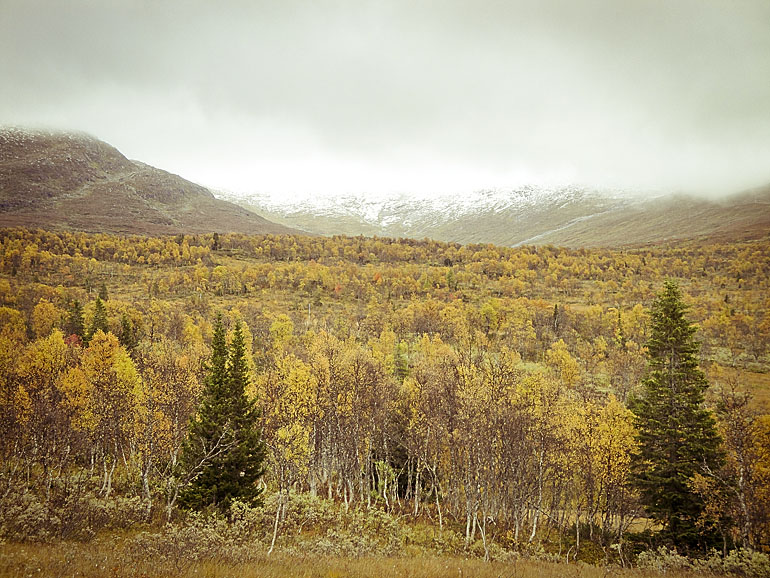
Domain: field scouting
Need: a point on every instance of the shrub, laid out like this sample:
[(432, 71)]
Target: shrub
[(663, 560), (233, 539), (26, 517), (740, 562)]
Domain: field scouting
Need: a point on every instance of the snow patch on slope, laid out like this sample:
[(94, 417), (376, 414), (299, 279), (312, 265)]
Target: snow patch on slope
[(402, 214)]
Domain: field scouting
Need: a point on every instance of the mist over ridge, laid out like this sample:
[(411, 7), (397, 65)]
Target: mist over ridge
[(349, 97)]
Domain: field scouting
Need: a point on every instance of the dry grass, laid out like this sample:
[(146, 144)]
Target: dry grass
[(759, 385), (110, 558)]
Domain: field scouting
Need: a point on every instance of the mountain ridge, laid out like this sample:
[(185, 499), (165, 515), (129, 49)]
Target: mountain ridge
[(569, 216), (75, 181), (72, 180)]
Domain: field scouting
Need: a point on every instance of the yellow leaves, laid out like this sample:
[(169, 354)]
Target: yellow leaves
[(192, 335), (616, 440), (293, 443), (77, 398), (45, 316), (298, 391), (281, 331), (22, 405), (105, 389), (383, 349), (43, 361), (602, 441), (167, 395), (540, 392), (12, 325), (566, 367), (761, 445), (432, 348), (287, 394), (100, 352), (490, 315), (126, 373)]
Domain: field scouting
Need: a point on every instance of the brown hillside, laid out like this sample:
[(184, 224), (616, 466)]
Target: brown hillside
[(76, 182)]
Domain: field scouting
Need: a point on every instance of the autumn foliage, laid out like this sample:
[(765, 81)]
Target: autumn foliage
[(476, 388)]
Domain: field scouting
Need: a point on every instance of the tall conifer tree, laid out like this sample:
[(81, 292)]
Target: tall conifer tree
[(677, 433), (99, 321), (75, 323), (224, 449)]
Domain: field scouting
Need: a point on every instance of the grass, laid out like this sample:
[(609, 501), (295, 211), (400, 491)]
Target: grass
[(112, 558)]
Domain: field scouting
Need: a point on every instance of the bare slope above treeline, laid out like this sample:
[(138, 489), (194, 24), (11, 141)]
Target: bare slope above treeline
[(73, 181), (567, 216)]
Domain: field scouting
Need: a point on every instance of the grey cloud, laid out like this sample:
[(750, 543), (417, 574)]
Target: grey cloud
[(645, 94)]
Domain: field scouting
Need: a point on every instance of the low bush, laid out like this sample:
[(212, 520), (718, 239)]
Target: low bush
[(741, 562), (663, 560), (27, 517)]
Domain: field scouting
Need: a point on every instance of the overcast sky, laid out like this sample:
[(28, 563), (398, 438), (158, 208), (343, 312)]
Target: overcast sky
[(348, 96)]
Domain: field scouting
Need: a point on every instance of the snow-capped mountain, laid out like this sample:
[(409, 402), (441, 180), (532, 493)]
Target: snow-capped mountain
[(500, 216), (570, 216)]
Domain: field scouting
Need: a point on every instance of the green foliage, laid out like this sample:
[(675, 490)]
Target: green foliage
[(741, 562), (230, 537), (224, 452), (663, 560), (67, 514), (677, 434), (744, 562), (75, 322), (127, 337), (99, 321)]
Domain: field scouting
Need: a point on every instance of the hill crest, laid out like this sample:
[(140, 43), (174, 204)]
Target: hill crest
[(71, 180)]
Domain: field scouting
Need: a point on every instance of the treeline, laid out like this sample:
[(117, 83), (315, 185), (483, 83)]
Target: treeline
[(503, 415), (361, 279)]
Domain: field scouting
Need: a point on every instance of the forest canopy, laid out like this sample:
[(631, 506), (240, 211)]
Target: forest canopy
[(415, 377)]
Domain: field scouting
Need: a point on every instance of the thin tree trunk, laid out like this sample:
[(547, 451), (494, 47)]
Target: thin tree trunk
[(438, 508), (275, 523), (417, 489)]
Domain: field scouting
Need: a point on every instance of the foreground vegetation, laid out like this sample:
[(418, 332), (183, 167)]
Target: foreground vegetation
[(105, 559), (474, 393), (323, 539)]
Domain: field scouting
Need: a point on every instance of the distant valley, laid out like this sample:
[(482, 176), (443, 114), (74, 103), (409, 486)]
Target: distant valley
[(567, 216), (74, 181)]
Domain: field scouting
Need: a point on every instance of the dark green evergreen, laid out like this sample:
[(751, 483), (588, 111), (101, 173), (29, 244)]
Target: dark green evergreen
[(677, 433), (103, 295), (99, 321), (127, 335), (75, 323), (224, 449)]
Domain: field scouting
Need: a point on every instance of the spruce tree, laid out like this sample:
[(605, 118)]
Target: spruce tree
[(244, 463), (75, 323), (224, 450), (127, 335), (99, 321), (677, 433)]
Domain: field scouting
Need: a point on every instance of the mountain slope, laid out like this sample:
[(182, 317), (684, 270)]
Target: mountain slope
[(74, 181), (673, 218), (566, 216)]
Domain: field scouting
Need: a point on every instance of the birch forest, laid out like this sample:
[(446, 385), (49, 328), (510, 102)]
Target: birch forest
[(475, 389)]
